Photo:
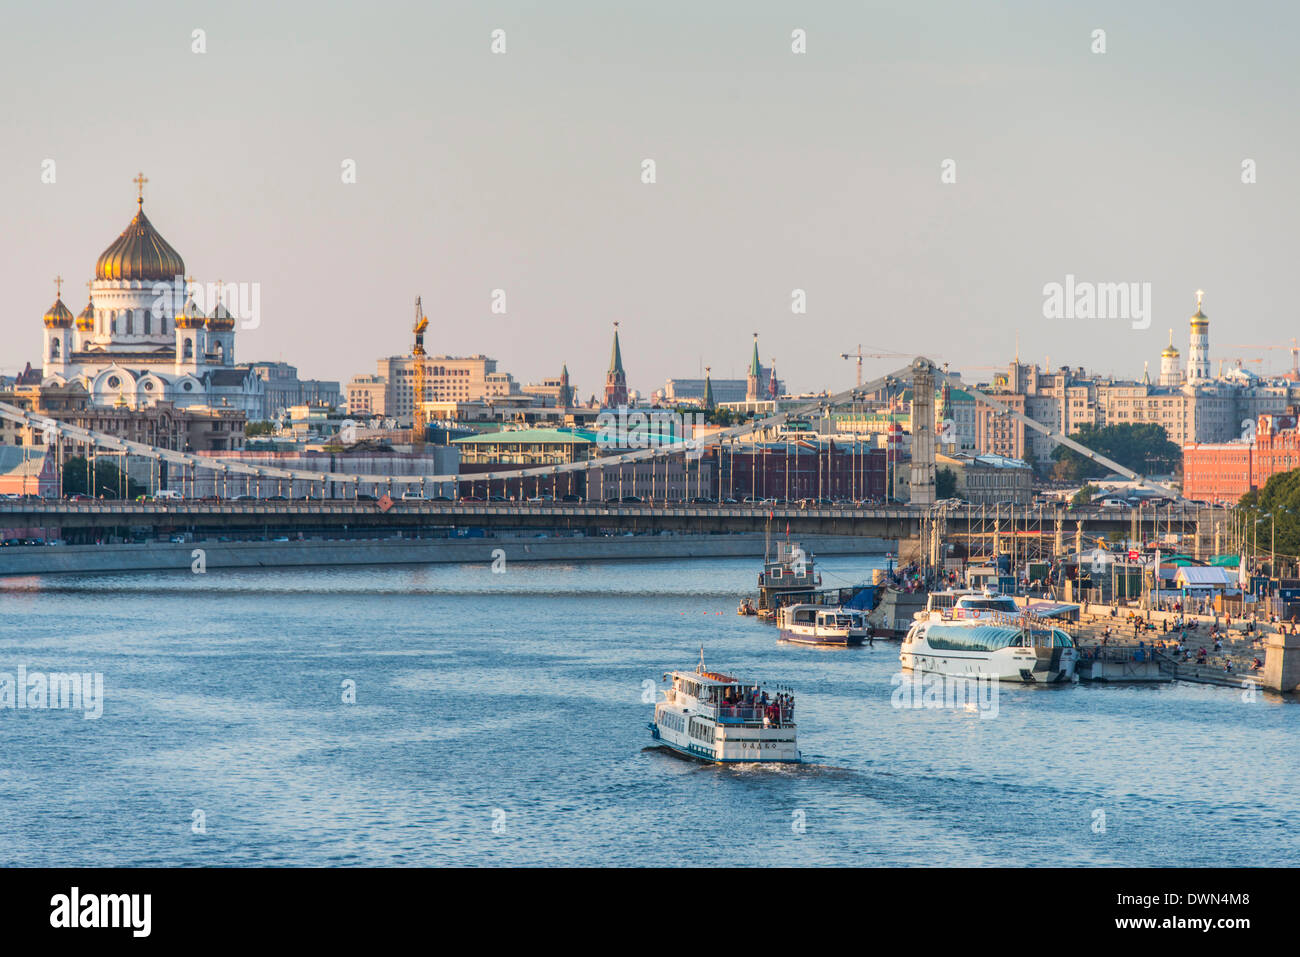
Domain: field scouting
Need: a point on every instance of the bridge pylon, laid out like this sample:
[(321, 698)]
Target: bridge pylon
[(923, 438)]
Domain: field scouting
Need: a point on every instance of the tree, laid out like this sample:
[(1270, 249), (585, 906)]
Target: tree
[(1142, 447), (1276, 506), (1085, 495), (945, 483), (109, 482), (254, 429)]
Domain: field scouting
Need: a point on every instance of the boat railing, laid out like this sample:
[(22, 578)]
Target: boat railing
[(776, 715)]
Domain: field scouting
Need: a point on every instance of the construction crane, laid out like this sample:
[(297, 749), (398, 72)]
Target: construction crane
[(860, 355), (1293, 348), (421, 323)]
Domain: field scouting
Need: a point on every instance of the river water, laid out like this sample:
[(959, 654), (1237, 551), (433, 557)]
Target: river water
[(499, 719)]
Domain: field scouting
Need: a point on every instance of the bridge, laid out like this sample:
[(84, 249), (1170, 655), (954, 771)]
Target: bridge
[(1052, 525), (339, 505), (922, 373)]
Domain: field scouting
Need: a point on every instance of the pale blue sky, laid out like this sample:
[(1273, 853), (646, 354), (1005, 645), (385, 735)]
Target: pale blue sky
[(776, 172)]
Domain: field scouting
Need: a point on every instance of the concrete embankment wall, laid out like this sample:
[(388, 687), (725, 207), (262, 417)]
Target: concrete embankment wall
[(52, 559)]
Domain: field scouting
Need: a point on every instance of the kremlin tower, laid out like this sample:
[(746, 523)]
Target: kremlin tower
[(615, 378)]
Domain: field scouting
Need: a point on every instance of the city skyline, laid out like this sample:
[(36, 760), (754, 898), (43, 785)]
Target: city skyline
[(819, 172)]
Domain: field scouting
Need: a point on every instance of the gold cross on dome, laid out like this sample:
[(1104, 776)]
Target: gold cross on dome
[(1200, 294), (139, 184), (58, 287)]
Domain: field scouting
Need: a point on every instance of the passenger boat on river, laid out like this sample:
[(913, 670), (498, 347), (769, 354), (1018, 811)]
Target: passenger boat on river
[(719, 718)]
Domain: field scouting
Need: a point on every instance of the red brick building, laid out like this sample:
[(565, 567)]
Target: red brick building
[(799, 470), (1224, 472)]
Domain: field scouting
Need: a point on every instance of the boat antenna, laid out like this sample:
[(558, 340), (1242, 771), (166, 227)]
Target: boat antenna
[(701, 659)]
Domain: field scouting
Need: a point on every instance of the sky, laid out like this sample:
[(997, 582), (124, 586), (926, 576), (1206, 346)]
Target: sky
[(775, 171)]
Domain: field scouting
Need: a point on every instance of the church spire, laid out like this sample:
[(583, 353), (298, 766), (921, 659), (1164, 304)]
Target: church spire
[(709, 404), (616, 356), (752, 382), (615, 378)]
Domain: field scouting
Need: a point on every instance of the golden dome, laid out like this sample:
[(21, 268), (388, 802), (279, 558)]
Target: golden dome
[(221, 320), (1169, 353), (86, 321), (191, 316), (139, 253), (58, 316)]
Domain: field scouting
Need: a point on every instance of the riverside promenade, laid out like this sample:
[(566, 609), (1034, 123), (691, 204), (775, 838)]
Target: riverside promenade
[(1174, 642)]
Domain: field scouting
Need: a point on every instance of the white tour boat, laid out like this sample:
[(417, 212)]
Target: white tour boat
[(968, 603), (996, 644), (820, 625), (715, 717)]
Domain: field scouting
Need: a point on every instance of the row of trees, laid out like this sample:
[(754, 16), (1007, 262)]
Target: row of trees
[(108, 480), (1143, 447), (1276, 508)]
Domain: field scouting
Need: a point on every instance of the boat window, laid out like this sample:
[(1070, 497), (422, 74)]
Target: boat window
[(978, 638), (989, 604)]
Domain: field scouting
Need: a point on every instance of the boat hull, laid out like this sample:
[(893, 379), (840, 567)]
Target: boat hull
[(805, 638), (1024, 666), (735, 744)]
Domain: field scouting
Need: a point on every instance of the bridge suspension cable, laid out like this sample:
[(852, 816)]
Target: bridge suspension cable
[(53, 428)]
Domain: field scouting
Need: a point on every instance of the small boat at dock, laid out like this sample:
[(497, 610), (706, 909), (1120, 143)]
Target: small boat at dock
[(819, 625)]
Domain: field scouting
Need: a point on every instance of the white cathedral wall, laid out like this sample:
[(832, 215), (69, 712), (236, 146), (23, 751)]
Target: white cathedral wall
[(121, 304)]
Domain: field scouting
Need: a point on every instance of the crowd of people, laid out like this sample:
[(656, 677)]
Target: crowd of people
[(743, 705)]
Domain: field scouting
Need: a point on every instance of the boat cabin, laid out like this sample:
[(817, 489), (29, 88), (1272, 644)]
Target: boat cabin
[(728, 700)]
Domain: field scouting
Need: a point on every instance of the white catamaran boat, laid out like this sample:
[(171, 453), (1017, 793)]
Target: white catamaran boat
[(820, 625), (996, 644), (715, 717)]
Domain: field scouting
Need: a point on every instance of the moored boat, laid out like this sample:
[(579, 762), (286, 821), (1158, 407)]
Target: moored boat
[(716, 717), (820, 625), (995, 645), (787, 578)]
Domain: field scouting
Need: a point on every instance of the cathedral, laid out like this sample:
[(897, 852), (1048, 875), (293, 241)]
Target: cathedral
[(141, 339)]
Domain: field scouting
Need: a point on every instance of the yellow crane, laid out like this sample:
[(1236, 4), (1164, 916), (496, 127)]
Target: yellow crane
[(860, 355), (421, 323), (1293, 348)]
